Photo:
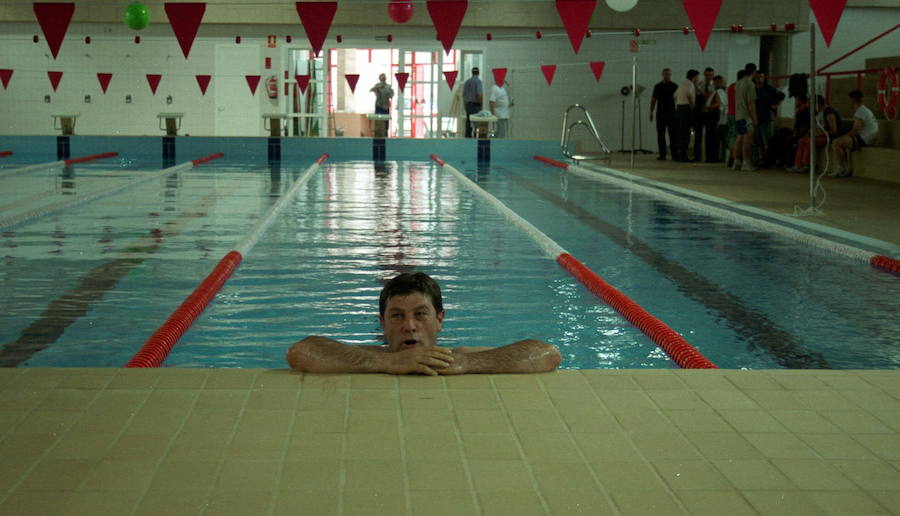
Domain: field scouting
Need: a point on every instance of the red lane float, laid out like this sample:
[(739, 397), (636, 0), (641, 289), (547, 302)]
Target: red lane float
[(5, 153), (437, 160), (885, 262), (92, 157), (154, 352), (685, 355), (552, 162), (322, 158), (204, 159)]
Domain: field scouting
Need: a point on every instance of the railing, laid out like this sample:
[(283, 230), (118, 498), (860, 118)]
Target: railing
[(567, 131), (828, 75)]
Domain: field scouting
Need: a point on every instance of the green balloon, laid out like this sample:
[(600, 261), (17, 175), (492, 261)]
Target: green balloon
[(137, 16)]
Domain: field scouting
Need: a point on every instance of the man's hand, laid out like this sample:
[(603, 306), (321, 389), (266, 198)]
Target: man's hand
[(430, 360), (651, 116)]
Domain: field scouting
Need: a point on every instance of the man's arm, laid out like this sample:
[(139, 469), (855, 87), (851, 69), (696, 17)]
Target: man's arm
[(652, 106), (323, 355), (525, 356)]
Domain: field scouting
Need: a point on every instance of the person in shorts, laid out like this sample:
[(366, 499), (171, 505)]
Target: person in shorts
[(863, 133)]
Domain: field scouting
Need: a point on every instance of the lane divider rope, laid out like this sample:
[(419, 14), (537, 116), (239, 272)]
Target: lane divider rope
[(55, 164), (29, 216), (673, 344), (158, 346), (5, 153), (612, 176)]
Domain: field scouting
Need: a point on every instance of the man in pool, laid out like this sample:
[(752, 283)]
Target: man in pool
[(411, 313)]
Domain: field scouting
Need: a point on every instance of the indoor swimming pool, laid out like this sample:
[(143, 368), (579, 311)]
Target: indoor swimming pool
[(86, 286)]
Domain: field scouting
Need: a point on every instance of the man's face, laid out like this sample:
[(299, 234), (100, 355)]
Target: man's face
[(381, 77), (410, 321), (667, 75), (708, 75), (760, 78)]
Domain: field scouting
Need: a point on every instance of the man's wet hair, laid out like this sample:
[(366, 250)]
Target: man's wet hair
[(411, 283)]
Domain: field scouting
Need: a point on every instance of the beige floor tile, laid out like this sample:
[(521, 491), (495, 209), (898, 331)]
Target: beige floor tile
[(846, 382), (783, 503), (753, 381), (83, 446), (839, 503), (603, 380), (378, 446), (324, 420), (311, 475), (804, 421), (468, 381), (277, 380), (378, 475), (644, 421), (869, 474), (198, 446), (155, 421), (368, 501), (45, 422), (499, 475), (621, 400), (889, 417), (273, 399), (428, 421), (431, 475), (814, 475), (889, 499), (424, 400), (600, 447), (565, 399), (67, 400), (697, 421), (535, 421), (620, 476), (114, 475), (855, 422), (21, 400), (374, 399), (329, 382), (491, 446), (482, 422), (565, 381), (141, 447), (578, 501), (885, 446), (87, 381), (836, 446), (57, 475), (753, 474), (118, 403), (663, 445), (432, 446), (9, 419), (707, 380), (134, 379), (176, 475), (680, 399), (101, 503), (780, 446), (11, 471), (241, 502), (660, 380), (316, 399), (752, 421), (315, 446), (589, 419), (443, 503), (250, 446), (178, 379), (874, 402), (372, 381), (231, 379), (212, 421), (221, 399), (823, 400), (715, 503), (358, 421), (557, 475), (26, 446), (313, 503), (35, 502), (171, 399), (549, 446), (525, 400), (795, 382), (775, 400), (730, 399), (511, 503), (417, 383), (173, 503), (650, 501), (691, 475), (518, 382), (274, 423), (474, 399), (248, 475)]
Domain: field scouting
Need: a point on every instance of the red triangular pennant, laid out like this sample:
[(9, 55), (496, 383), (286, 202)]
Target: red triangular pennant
[(499, 76), (402, 77), (303, 82), (54, 18), (451, 78), (828, 14), (54, 79), (447, 16), (352, 79), (104, 79), (703, 14), (203, 82), (597, 68), (185, 21), (576, 16), (549, 72), (5, 75), (316, 18), (153, 81), (253, 82)]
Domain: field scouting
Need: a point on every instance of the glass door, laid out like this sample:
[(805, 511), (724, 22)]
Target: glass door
[(307, 111)]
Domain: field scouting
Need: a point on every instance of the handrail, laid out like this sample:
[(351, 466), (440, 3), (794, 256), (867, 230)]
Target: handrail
[(567, 130), (857, 49), (828, 76)]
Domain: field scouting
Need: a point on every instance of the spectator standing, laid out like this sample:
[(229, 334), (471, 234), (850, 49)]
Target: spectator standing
[(383, 95), (766, 100), (473, 98), (719, 104), (685, 96), (704, 120), (499, 104), (863, 133), (663, 101), (745, 118), (732, 130)]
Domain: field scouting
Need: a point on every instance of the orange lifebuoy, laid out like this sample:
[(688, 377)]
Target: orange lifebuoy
[(888, 94)]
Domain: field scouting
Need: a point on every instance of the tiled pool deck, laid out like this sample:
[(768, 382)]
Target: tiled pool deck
[(256, 442)]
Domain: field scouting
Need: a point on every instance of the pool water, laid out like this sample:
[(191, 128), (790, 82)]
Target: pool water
[(89, 284)]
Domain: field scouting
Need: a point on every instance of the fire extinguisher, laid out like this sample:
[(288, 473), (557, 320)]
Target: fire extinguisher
[(272, 87)]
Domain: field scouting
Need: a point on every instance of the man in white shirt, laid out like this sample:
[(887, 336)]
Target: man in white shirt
[(685, 97), (499, 104), (863, 133)]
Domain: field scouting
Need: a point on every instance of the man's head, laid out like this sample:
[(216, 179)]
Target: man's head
[(382, 77), (719, 81), (692, 75), (760, 78), (820, 103), (741, 74), (708, 74), (856, 97), (411, 311), (475, 71), (750, 68), (666, 74)]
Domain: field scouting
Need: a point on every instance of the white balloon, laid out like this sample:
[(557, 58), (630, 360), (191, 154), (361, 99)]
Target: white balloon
[(621, 5)]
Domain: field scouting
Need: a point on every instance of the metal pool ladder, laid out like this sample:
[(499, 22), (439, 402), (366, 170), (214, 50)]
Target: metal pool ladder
[(605, 154)]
